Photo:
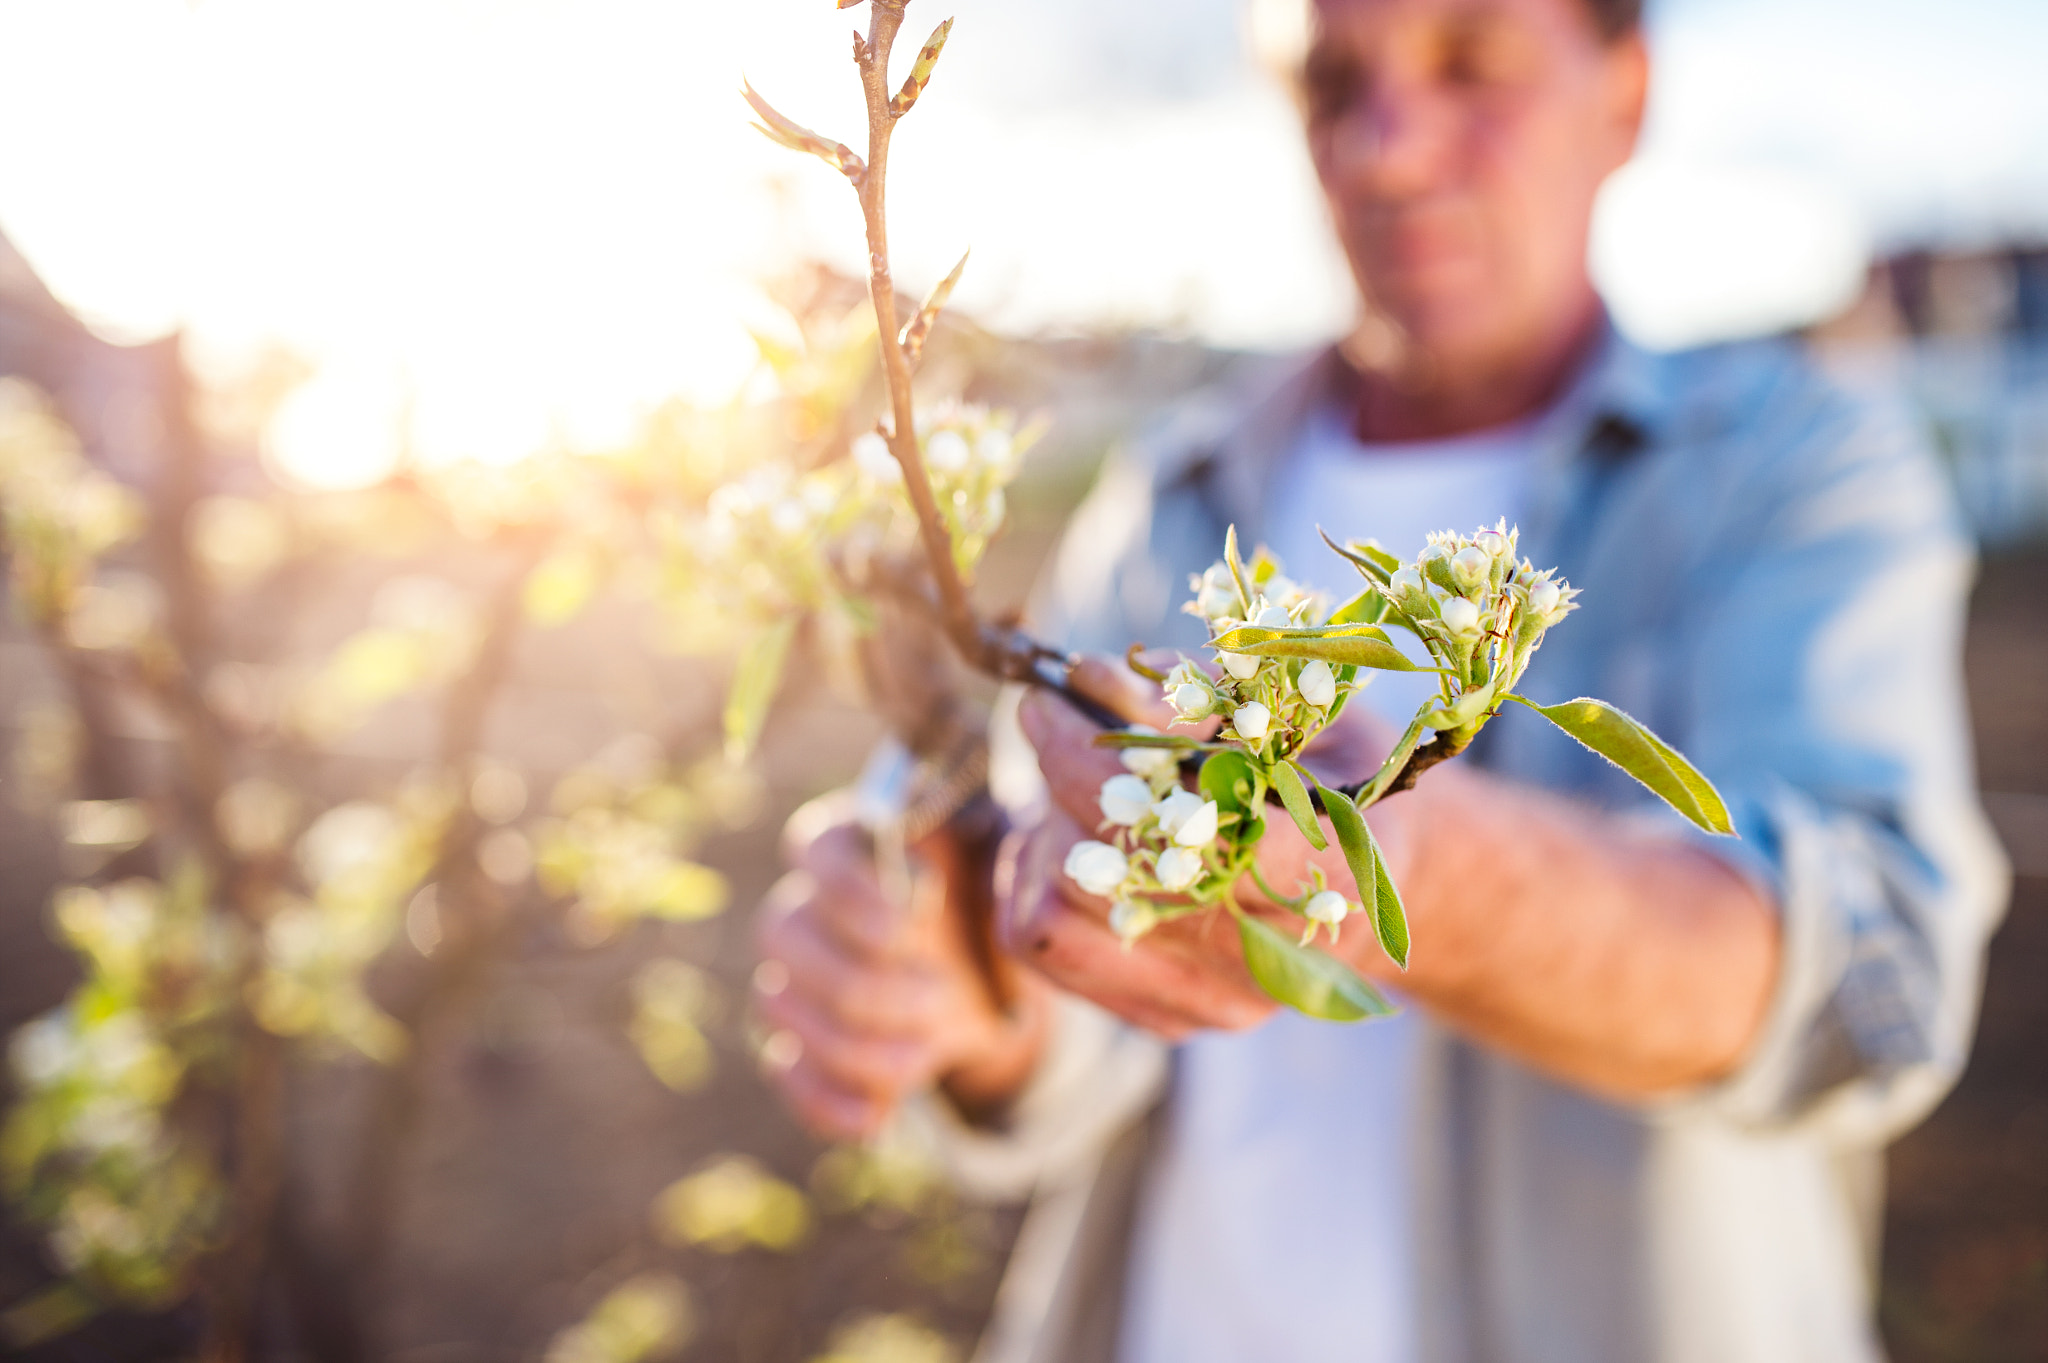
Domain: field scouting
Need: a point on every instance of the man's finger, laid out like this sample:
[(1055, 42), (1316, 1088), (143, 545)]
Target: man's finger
[(835, 879), (1074, 768), (881, 1068), (1111, 683), (859, 996), (829, 1111)]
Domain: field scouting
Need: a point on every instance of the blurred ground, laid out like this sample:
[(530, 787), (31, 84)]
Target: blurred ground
[(1966, 1233)]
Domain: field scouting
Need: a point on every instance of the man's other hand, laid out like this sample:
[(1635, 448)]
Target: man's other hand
[(870, 999)]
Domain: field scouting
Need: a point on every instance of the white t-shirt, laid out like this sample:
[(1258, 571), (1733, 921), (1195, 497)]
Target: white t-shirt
[(1275, 1223)]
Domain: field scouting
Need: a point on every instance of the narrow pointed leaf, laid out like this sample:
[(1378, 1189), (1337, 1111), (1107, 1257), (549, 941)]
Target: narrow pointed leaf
[(1351, 645), (919, 327), (1376, 891), (1375, 562), (1411, 738), (1469, 708), (1307, 980), (754, 685), (1629, 745), (1294, 795), (1244, 595), (1366, 608), (921, 70), (797, 137), (1120, 739)]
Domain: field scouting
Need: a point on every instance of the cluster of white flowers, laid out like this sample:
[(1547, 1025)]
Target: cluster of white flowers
[(1171, 841), (1478, 611), (1161, 832), (971, 454)]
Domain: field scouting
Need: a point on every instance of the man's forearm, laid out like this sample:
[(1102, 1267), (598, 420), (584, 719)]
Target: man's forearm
[(1628, 962)]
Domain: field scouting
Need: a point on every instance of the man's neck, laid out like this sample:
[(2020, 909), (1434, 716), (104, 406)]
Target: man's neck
[(1406, 394)]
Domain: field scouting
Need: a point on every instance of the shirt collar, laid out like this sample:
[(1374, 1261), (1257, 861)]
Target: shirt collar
[(1619, 404)]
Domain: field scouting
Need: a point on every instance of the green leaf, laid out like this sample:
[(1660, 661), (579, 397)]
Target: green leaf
[(1116, 739), (1294, 795), (796, 137), (1632, 747), (1411, 738), (1350, 645), (753, 686), (1234, 782), (1466, 712), (1366, 608), (918, 328), (1307, 980), (1244, 594), (1375, 887), (1365, 555)]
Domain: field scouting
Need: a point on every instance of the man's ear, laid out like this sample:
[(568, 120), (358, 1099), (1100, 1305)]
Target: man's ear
[(1626, 80)]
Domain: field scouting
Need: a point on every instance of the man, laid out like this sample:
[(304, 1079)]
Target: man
[(1635, 1108)]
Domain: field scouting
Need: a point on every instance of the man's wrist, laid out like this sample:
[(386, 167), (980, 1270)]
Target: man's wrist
[(985, 1084)]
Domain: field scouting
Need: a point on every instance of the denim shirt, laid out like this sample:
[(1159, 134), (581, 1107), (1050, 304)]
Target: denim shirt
[(1774, 580)]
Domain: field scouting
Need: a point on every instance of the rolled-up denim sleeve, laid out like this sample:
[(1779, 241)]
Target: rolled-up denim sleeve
[(1826, 699)]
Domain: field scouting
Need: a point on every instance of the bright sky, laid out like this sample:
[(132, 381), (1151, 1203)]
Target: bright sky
[(514, 222)]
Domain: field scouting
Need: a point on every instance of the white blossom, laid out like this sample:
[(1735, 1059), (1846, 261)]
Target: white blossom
[(1125, 800), (1215, 593), (1193, 700), (871, 456), (1460, 616), (1200, 828), (1267, 616), (1327, 907), (1543, 598), (947, 452), (1179, 867), (1251, 721), (1175, 808), (1242, 666), (1469, 567), (1317, 684), (1097, 867), (1409, 591)]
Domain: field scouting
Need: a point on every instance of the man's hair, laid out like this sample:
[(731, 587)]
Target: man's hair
[(1615, 17), (1280, 29)]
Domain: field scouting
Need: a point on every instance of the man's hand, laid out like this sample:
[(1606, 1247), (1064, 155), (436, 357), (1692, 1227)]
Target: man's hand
[(1188, 974), (1606, 951), (870, 999)]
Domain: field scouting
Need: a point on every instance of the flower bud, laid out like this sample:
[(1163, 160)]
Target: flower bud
[(1193, 700), (1179, 867), (1251, 721), (1284, 591), (1176, 809), (1409, 591), (1097, 867), (1200, 828), (1317, 684), (1130, 920), (947, 452), (1149, 763), (1460, 616), (1125, 800), (1328, 906), (1492, 543), (1543, 598), (1216, 593), (1469, 568), (1271, 617), (1242, 666)]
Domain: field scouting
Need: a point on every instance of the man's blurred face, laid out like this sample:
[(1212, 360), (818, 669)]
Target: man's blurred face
[(1460, 143)]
